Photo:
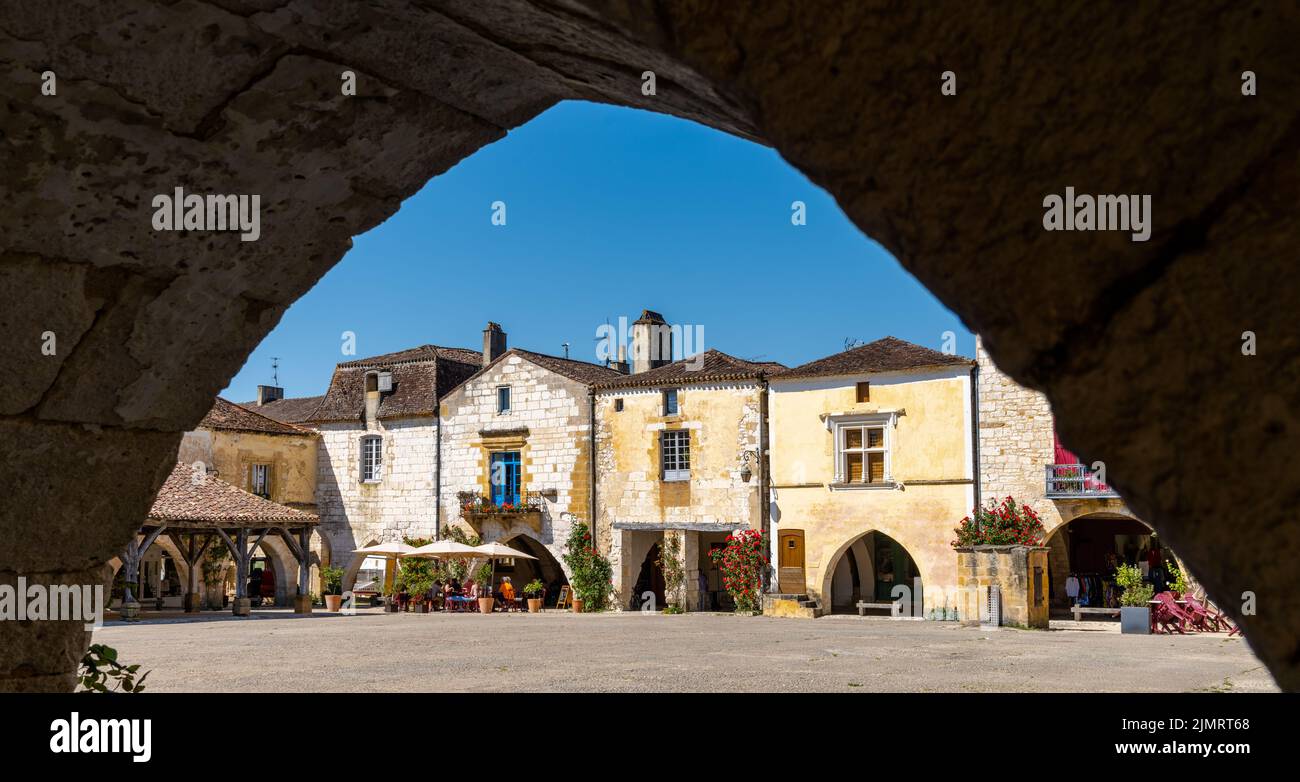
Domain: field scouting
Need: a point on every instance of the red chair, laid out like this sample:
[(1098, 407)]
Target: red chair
[(1168, 614)]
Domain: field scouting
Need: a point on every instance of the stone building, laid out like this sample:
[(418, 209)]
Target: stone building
[(516, 454), (678, 449), (379, 442), (1021, 456), (872, 463)]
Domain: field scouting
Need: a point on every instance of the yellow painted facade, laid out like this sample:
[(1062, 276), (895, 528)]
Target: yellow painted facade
[(291, 458), (927, 488)]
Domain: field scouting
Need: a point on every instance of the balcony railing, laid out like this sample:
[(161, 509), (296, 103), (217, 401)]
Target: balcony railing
[(1075, 481), (472, 503)]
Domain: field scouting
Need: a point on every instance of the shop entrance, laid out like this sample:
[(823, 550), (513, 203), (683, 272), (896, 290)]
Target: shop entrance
[(868, 570), (1085, 552)]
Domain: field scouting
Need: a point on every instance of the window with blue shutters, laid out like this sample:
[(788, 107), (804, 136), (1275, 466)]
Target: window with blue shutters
[(504, 477)]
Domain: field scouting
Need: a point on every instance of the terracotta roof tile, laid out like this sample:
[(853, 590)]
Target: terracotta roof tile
[(421, 376), (884, 355), (287, 411), (709, 366), (212, 501), (229, 416)]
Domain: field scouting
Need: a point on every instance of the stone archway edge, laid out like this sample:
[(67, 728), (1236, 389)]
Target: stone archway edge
[(1137, 345)]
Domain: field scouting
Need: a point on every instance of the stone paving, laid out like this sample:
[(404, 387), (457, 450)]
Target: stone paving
[(629, 652)]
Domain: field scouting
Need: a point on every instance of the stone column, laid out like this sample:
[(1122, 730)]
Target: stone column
[(691, 568)]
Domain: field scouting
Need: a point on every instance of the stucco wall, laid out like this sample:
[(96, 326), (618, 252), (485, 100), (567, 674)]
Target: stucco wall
[(931, 461)]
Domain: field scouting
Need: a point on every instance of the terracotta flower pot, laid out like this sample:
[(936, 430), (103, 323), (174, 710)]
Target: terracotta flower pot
[(485, 605), (333, 603), (577, 606), (534, 605)]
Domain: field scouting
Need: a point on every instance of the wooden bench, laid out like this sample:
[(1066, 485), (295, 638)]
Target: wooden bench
[(1079, 611)]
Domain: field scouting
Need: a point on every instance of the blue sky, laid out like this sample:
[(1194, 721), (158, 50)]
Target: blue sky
[(608, 211)]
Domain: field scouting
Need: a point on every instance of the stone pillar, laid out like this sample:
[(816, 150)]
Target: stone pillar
[(691, 569)]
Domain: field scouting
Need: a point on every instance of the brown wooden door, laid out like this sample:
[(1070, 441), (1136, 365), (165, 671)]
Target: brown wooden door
[(790, 575)]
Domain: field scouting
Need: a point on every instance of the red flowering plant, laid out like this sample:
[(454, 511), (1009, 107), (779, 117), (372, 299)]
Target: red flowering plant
[(592, 580), (742, 562), (1000, 525)]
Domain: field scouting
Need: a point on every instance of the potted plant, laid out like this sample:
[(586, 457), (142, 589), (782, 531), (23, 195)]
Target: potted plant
[(534, 590), (1134, 613), (332, 584), (484, 578)]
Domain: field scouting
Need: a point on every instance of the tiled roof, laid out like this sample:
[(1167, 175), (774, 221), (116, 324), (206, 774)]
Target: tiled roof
[(709, 366), (884, 355), (208, 500), (287, 411), (582, 371), (232, 417), (421, 376)]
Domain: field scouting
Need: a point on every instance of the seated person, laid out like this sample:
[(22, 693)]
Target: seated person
[(507, 589)]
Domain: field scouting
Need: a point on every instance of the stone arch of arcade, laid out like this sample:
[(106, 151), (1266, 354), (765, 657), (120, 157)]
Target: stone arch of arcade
[(871, 563), (152, 324)]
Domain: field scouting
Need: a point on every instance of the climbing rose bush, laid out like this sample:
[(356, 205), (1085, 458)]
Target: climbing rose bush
[(592, 580), (742, 562), (1000, 525)]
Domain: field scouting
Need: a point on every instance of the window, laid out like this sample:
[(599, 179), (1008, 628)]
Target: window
[(504, 477), (372, 459), (618, 405), (862, 449), (670, 402), (676, 448), (260, 481), (864, 392), (503, 400)]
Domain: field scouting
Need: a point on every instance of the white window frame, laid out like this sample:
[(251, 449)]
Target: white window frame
[(839, 424), (678, 473), (378, 471), (509, 400)]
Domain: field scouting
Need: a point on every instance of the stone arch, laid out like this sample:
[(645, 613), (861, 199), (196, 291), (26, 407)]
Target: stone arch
[(262, 122), (1059, 557), (927, 569), (355, 560), (550, 555)]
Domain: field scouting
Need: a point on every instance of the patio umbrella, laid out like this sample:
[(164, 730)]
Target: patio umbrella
[(445, 549), (391, 551), (495, 551)]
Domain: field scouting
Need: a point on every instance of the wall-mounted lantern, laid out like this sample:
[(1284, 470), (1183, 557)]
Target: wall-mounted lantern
[(745, 472)]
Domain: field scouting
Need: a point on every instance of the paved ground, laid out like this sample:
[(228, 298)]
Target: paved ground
[(277, 651)]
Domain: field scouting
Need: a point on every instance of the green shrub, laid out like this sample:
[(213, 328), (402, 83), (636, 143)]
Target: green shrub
[(1136, 591)]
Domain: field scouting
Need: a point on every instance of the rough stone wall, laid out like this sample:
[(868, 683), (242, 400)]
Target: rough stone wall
[(1020, 573), (555, 452), (723, 421), (236, 96), (353, 513)]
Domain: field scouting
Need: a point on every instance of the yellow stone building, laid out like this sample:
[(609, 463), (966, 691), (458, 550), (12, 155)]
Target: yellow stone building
[(872, 466)]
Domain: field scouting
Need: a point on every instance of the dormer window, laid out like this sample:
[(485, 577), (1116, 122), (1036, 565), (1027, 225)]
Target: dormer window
[(379, 382)]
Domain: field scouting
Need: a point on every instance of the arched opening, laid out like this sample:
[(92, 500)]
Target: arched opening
[(1085, 551), (650, 579), (546, 568), (869, 570)]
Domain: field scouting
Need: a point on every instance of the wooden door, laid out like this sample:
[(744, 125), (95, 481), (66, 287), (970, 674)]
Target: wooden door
[(790, 573)]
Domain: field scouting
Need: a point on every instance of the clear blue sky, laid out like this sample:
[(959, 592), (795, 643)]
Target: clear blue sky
[(608, 211)]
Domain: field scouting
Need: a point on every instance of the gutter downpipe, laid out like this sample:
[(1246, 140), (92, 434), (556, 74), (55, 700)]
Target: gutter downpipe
[(437, 477), (764, 489), (975, 432), (591, 458)]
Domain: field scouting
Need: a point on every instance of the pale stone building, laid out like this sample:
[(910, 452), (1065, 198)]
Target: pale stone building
[(516, 454), (678, 452), (872, 461), (1021, 456), (379, 444)]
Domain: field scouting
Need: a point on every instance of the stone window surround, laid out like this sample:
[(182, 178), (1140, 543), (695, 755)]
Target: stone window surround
[(837, 422)]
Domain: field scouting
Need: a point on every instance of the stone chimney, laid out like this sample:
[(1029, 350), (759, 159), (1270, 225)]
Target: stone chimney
[(494, 342), (652, 342), (268, 394)]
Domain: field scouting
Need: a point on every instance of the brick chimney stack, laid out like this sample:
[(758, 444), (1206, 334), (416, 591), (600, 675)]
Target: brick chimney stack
[(268, 394)]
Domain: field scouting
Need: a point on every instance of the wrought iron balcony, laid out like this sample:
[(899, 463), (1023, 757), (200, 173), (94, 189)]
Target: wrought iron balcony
[(478, 504), (1075, 481)]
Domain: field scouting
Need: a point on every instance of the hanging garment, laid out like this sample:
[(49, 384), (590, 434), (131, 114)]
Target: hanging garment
[(1072, 586)]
